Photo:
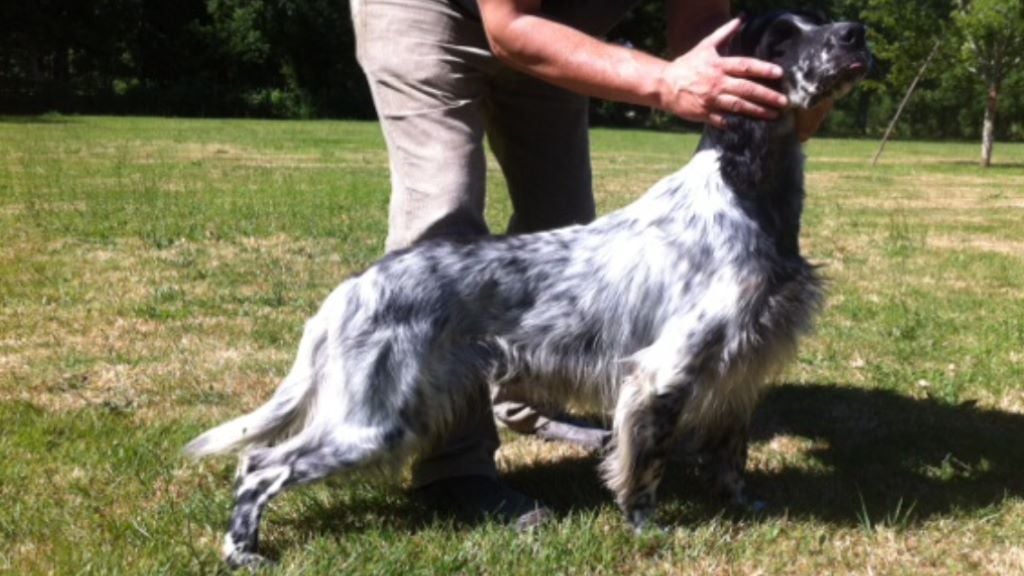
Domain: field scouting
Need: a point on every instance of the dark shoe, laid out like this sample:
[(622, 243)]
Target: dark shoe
[(588, 437), (477, 498)]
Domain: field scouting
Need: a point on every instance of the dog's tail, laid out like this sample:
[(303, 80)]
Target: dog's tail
[(286, 411)]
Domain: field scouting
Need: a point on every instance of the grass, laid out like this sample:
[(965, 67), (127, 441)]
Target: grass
[(155, 274)]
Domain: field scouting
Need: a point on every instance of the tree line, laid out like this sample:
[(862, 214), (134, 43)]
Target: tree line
[(295, 59)]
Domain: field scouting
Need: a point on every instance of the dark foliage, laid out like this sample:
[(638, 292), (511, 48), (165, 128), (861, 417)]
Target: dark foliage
[(295, 59)]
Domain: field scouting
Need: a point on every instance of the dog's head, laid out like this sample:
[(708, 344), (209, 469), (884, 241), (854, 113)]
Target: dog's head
[(820, 59)]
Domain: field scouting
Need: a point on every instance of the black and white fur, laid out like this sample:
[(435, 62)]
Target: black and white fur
[(671, 313)]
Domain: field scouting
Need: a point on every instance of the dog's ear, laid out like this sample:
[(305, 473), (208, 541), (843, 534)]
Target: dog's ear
[(776, 39), (764, 36), (814, 15), (760, 35), (744, 42)]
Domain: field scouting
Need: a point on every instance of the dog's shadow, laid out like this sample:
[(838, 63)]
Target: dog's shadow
[(833, 453), (838, 454)]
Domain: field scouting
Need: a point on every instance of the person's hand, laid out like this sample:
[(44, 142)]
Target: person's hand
[(703, 86), (808, 121)]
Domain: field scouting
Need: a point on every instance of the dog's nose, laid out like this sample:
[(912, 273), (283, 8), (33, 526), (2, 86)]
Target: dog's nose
[(850, 34)]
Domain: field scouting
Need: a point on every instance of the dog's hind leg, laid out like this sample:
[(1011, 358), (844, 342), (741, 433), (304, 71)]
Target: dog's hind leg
[(646, 418), (303, 459)]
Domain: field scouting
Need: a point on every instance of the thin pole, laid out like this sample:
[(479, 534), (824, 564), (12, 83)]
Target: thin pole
[(906, 98)]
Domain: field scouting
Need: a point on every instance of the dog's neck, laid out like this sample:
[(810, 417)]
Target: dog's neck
[(762, 163)]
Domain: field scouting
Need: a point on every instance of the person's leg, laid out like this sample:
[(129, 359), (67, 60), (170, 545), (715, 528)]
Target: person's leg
[(425, 63), (422, 60), (539, 134), (523, 418)]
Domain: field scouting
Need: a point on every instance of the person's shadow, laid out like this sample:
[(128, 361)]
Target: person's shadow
[(834, 453)]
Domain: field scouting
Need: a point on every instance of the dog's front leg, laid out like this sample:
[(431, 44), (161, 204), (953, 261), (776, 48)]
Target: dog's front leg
[(727, 459), (646, 418)]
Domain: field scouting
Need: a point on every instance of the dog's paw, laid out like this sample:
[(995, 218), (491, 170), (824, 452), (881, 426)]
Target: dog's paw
[(649, 529), (640, 519), (242, 555), (247, 560)]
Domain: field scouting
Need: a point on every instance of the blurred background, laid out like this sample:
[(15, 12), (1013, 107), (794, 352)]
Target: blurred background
[(295, 59)]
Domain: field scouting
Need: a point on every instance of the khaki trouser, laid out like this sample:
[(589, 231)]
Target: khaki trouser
[(438, 91)]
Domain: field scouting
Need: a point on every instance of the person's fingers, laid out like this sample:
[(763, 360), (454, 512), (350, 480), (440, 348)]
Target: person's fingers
[(754, 92), (717, 120), (735, 105), (750, 68), (724, 32)]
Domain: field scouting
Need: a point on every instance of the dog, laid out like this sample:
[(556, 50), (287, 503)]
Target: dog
[(671, 314)]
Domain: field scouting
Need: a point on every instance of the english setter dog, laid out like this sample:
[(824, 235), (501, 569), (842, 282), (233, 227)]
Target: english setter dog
[(671, 313)]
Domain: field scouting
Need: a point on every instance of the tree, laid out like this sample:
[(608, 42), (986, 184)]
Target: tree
[(993, 45)]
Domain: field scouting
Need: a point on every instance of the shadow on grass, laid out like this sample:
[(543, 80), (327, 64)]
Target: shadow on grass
[(875, 456), (880, 452)]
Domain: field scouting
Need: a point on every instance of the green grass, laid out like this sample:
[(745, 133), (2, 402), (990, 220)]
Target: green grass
[(155, 275)]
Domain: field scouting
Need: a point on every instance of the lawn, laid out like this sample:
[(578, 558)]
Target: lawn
[(155, 275)]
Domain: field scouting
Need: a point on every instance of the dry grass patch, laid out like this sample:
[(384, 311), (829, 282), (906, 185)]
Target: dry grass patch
[(971, 200), (527, 452), (125, 359), (944, 192), (164, 152), (157, 367), (978, 243), (1011, 401), (821, 183)]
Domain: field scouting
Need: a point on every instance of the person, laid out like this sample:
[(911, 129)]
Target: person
[(444, 74)]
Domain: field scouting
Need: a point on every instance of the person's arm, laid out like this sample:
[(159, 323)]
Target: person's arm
[(700, 86)]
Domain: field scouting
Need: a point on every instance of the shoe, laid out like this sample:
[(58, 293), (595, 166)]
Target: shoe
[(477, 498), (588, 437)]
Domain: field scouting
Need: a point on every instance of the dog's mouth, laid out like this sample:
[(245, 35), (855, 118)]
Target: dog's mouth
[(848, 73), (856, 68)]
